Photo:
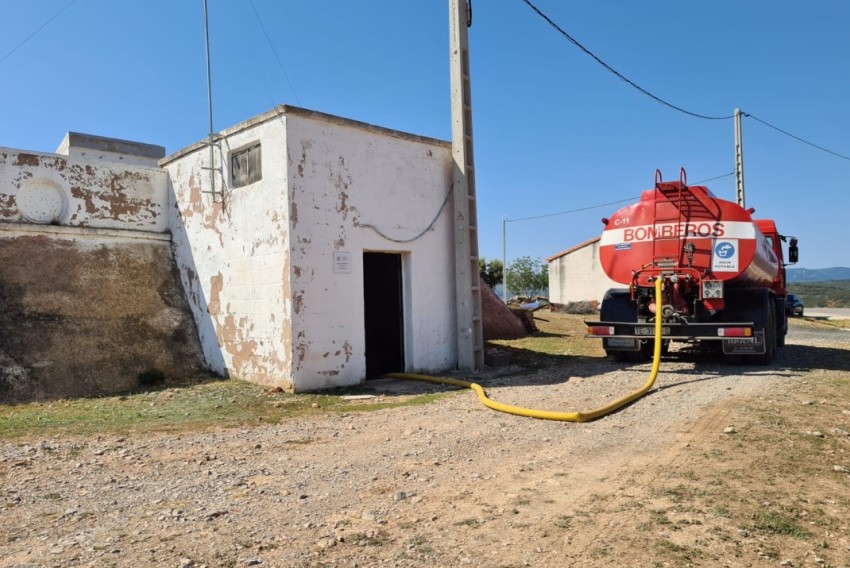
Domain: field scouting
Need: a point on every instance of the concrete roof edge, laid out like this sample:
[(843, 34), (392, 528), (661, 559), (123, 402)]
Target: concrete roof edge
[(115, 145), (573, 249), (289, 110), (67, 158)]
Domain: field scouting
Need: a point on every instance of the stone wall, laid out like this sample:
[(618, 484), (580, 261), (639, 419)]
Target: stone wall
[(85, 311)]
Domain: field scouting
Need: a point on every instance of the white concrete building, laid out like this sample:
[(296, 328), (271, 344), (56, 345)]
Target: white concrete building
[(325, 253), (575, 275)]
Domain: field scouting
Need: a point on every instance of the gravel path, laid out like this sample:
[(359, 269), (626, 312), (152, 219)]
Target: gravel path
[(445, 484)]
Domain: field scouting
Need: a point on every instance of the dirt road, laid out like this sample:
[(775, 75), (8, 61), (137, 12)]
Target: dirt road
[(672, 480)]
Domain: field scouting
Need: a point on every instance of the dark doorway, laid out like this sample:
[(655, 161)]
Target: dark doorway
[(384, 315)]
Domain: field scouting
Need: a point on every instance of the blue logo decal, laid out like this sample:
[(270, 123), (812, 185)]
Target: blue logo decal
[(623, 246), (724, 250)]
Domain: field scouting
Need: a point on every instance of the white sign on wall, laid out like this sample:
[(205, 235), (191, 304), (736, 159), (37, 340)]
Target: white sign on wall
[(342, 263)]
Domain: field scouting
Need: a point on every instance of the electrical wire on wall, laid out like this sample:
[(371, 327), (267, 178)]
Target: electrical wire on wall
[(418, 236)]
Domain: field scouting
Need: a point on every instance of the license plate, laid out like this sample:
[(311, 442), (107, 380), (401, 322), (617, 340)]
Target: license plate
[(742, 346), (649, 331), (621, 342)]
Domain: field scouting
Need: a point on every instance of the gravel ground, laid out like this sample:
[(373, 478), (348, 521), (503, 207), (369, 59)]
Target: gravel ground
[(446, 484)]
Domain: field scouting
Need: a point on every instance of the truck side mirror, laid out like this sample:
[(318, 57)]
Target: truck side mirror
[(793, 252)]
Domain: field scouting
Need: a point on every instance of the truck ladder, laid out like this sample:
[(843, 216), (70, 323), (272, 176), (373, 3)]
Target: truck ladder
[(688, 205)]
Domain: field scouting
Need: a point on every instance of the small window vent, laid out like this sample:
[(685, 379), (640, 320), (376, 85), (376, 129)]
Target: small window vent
[(246, 166)]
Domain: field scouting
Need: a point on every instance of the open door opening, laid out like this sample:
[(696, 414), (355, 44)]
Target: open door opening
[(384, 315)]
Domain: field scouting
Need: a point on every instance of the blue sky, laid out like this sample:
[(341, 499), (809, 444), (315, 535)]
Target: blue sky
[(554, 131)]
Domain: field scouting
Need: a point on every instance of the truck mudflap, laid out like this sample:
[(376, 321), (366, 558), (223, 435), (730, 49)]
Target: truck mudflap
[(738, 338)]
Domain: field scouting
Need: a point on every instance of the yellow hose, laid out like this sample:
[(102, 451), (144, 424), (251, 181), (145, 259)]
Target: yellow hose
[(552, 415)]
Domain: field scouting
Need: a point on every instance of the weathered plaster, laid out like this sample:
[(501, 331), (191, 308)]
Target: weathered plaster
[(256, 262), (230, 248), (97, 194), (344, 176)]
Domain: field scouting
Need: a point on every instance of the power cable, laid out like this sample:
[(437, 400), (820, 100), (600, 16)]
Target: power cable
[(732, 173), (420, 234), (44, 25), (828, 151), (617, 73), (604, 204), (571, 210), (269, 39)]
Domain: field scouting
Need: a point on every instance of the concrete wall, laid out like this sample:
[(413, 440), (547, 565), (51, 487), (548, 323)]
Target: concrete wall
[(344, 177), (258, 266), (576, 275), (81, 192), (98, 148), (232, 253), (84, 311)]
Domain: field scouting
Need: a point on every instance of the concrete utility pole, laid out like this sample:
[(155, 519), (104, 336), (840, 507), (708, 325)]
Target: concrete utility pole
[(505, 259), (470, 338), (739, 160)]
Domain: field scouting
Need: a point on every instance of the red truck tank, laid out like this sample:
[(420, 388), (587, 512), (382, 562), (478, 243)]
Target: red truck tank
[(723, 271)]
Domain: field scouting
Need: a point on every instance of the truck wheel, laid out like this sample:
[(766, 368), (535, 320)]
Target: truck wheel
[(617, 305), (766, 358)]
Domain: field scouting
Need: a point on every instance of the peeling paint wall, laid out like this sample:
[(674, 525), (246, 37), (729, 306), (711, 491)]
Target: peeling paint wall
[(342, 178), (232, 255), (257, 262), (76, 191)]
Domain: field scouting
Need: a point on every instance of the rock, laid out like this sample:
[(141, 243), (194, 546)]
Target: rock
[(186, 563), (324, 543), (497, 358), (400, 496), (729, 430), (743, 532), (840, 469)]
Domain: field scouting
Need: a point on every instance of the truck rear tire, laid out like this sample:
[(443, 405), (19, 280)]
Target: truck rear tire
[(617, 305), (766, 358)]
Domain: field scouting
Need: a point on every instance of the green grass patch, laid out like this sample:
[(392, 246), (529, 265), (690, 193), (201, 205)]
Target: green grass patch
[(559, 338), (221, 404), (774, 522)]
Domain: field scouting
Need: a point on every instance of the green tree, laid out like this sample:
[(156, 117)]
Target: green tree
[(528, 277), (491, 271)]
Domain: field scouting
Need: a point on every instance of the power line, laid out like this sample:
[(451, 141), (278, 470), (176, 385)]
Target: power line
[(29, 37), (664, 102), (604, 204), (571, 210), (732, 173), (269, 39), (796, 137), (617, 73)]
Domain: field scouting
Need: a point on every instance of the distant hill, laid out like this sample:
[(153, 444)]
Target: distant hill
[(818, 274), (831, 294)]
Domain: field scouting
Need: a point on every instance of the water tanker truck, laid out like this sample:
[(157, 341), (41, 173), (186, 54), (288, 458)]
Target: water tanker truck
[(723, 273)]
